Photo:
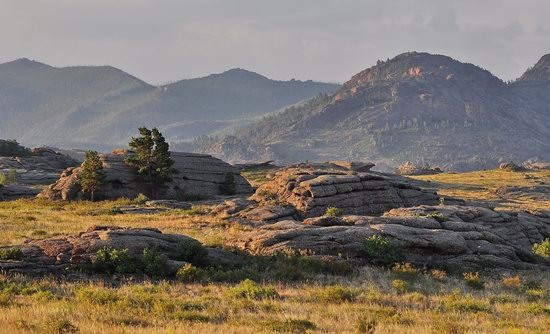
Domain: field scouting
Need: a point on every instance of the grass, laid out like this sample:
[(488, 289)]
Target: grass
[(482, 186), (285, 294)]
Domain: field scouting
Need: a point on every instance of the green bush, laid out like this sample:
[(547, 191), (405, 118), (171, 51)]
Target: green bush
[(298, 326), (3, 179), (542, 248), (334, 212), (249, 289), (11, 254), (335, 294), (228, 187), (191, 251), (190, 273), (110, 260), (381, 251), (473, 280), (155, 263)]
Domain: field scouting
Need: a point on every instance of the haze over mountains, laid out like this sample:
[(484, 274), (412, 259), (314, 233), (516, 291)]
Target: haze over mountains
[(427, 108), (102, 106)]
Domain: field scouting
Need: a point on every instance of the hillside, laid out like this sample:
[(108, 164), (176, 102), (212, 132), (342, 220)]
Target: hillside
[(103, 106), (426, 108)]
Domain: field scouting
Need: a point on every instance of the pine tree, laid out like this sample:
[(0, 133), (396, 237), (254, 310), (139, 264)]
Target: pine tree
[(92, 175), (152, 158)]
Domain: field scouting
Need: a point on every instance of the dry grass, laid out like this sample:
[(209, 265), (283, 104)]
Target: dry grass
[(481, 186)]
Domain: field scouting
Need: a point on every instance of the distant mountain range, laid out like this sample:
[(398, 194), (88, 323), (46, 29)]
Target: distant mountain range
[(102, 107), (429, 109)]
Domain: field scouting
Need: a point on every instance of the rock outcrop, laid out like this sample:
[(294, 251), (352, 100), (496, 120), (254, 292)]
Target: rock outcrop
[(409, 168), (458, 238), (310, 191), (41, 166), (54, 255), (196, 175)]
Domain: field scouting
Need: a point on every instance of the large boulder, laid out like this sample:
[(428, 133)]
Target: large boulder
[(195, 176), (410, 168), (312, 190), (459, 238), (53, 255)]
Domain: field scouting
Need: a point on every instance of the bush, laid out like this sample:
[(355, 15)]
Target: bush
[(473, 280), (438, 274), (405, 270), (191, 251), (438, 216), (3, 179), (228, 187), (334, 212), (141, 199), (381, 251), (514, 282), (456, 302), (542, 248), (400, 285), (249, 289), (298, 326), (11, 254), (335, 294), (155, 263), (190, 273), (110, 260)]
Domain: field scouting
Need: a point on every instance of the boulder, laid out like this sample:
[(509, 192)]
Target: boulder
[(310, 191), (195, 176), (510, 166), (537, 165), (55, 255), (458, 238)]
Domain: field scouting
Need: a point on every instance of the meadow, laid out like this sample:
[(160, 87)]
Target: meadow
[(283, 295)]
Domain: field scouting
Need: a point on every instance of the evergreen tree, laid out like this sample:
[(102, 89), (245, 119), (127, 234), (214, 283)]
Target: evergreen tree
[(152, 158), (92, 175)]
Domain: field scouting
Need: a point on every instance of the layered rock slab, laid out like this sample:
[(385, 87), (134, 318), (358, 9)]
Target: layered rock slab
[(458, 238), (196, 175), (48, 256), (312, 191)]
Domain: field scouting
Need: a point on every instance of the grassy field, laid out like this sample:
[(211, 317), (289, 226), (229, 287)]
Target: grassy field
[(284, 296)]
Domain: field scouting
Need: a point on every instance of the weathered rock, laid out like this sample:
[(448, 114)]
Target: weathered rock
[(60, 253), (539, 193), (460, 238), (510, 166), (15, 191), (169, 204), (409, 168), (311, 191), (537, 165), (196, 175)]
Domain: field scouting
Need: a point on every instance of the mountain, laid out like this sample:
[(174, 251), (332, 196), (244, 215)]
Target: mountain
[(430, 109), (103, 106)]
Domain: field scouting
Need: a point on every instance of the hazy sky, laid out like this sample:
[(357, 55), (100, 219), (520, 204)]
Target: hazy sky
[(163, 40)]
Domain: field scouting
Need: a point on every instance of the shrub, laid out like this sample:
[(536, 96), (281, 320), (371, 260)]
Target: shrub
[(110, 260), (11, 254), (513, 282), (191, 251), (438, 274), (335, 294), (334, 212), (438, 216), (6, 299), (96, 296), (405, 270), (542, 248), (400, 285), (249, 289), (3, 179), (155, 263), (141, 199), (536, 309), (456, 302), (190, 273), (61, 326), (297, 326), (473, 280), (381, 251), (228, 187), (366, 325)]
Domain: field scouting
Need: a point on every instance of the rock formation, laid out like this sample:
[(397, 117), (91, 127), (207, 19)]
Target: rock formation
[(196, 175), (60, 253), (458, 238), (409, 168), (312, 190), (42, 166)]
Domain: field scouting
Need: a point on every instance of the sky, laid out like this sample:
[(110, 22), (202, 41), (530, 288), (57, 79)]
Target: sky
[(161, 41)]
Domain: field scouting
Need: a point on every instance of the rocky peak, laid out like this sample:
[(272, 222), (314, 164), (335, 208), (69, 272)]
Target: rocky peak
[(539, 72), (24, 64)]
